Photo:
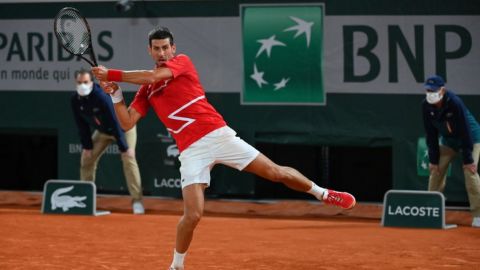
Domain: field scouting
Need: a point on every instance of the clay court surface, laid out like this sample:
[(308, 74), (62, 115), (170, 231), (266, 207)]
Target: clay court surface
[(289, 235)]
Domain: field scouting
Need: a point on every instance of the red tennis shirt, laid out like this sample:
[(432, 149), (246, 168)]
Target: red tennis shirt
[(180, 103)]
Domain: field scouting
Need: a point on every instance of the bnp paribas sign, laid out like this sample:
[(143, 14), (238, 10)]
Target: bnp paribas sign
[(282, 54)]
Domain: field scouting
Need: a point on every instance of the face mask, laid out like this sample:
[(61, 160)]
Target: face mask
[(434, 98), (84, 89)]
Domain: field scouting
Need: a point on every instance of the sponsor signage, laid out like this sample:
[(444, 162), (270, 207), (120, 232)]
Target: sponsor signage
[(418, 209), (70, 197), (351, 54), (168, 183), (423, 161), (282, 50), (161, 165)]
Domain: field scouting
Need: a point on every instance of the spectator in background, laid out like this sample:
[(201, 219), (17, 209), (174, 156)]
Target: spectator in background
[(93, 110), (446, 117)]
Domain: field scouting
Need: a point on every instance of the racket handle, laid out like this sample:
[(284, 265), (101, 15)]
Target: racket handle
[(114, 75)]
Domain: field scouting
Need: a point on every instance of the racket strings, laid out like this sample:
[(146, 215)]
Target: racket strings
[(73, 32)]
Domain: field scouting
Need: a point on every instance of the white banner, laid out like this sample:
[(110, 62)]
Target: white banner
[(462, 71), (362, 54), (32, 60)]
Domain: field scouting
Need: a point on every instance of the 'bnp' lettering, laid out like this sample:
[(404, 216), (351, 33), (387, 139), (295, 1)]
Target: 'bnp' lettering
[(412, 52)]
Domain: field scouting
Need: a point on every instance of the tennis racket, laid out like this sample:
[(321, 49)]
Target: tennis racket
[(73, 33)]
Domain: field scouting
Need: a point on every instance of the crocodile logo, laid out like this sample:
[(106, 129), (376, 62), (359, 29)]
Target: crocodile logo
[(58, 200)]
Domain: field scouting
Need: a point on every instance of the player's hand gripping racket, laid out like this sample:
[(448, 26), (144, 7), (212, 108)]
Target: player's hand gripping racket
[(73, 33)]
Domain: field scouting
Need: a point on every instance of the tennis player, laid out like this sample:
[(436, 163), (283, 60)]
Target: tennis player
[(174, 92)]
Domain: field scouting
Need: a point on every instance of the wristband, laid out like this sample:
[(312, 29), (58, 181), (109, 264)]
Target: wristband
[(114, 75), (117, 96)]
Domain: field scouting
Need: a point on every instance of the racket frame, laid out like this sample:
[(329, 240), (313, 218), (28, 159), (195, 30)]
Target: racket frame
[(93, 60)]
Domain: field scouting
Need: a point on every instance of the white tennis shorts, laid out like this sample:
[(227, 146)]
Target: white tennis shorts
[(219, 146)]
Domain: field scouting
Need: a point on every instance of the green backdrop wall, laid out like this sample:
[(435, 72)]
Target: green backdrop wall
[(349, 119)]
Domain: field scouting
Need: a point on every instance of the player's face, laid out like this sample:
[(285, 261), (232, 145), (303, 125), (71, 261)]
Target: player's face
[(161, 50)]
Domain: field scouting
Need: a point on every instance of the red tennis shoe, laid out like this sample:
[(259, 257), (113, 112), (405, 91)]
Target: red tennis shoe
[(344, 200)]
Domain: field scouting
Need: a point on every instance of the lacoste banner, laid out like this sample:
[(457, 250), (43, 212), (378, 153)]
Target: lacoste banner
[(70, 197), (282, 55), (159, 160), (412, 208)]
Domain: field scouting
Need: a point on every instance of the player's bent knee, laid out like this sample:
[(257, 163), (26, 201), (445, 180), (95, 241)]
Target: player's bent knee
[(192, 218)]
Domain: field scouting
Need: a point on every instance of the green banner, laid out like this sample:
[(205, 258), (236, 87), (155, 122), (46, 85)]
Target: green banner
[(69, 197), (159, 160), (423, 161), (419, 209), (282, 55)]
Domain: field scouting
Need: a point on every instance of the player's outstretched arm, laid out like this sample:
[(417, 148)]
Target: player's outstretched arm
[(127, 117), (132, 76)]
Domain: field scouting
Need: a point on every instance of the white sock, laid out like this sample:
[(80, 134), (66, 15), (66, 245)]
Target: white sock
[(178, 259), (319, 192)]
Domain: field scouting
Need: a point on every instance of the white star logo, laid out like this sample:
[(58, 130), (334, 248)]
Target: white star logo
[(424, 165), (281, 84), (258, 77), (267, 45), (301, 27)]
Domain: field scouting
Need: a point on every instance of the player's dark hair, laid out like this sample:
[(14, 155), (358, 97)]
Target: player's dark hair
[(160, 32), (84, 71)]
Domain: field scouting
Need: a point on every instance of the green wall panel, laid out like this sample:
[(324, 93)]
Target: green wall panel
[(347, 120)]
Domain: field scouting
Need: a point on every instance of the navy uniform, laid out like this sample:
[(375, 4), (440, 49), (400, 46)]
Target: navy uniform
[(93, 111), (447, 119)]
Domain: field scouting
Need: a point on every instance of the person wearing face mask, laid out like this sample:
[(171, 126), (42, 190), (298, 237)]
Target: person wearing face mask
[(447, 119), (93, 111)]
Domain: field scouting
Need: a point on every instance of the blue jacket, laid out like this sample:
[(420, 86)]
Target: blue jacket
[(96, 110), (454, 123)]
